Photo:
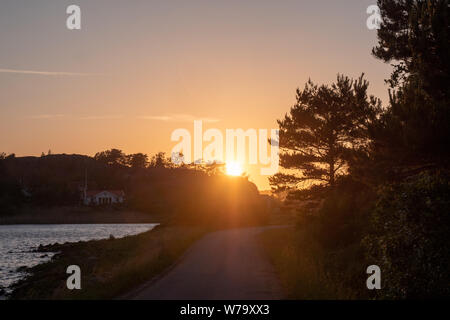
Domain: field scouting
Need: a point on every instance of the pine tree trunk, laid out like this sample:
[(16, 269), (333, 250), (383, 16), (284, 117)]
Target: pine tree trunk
[(331, 174)]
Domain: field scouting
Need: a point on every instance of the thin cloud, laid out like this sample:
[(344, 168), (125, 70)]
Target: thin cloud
[(179, 118), (49, 73), (93, 117), (47, 116), (159, 118), (104, 117)]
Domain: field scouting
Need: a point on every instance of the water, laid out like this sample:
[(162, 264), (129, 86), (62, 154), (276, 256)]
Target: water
[(18, 241)]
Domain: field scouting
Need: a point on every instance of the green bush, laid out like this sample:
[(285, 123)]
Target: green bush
[(343, 216), (409, 237), (336, 232)]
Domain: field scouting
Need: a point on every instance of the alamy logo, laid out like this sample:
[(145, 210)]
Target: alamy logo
[(374, 280), (74, 280), (73, 21), (234, 139), (374, 20)]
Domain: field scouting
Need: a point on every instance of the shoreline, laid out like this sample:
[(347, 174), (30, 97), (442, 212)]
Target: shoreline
[(111, 267), (18, 254), (79, 215)]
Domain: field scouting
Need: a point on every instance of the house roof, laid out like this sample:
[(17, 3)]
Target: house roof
[(118, 193)]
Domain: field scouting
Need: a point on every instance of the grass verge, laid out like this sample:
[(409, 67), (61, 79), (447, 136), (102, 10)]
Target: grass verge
[(300, 264), (109, 267)]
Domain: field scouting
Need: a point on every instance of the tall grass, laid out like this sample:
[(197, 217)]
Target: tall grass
[(302, 265)]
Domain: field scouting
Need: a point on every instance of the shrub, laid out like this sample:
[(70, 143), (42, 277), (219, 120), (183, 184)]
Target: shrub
[(335, 233), (409, 237), (343, 217)]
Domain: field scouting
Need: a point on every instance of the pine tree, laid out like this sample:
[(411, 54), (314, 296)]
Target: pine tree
[(325, 125), (415, 128)]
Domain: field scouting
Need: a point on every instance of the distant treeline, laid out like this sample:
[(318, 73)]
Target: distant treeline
[(186, 194)]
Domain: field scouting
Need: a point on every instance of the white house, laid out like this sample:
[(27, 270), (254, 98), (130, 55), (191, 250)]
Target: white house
[(103, 197)]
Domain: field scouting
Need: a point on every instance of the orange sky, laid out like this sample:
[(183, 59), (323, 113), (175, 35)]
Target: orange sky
[(138, 70)]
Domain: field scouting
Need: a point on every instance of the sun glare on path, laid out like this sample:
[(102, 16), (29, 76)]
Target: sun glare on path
[(234, 168)]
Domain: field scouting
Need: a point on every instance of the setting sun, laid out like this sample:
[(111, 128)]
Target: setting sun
[(234, 168)]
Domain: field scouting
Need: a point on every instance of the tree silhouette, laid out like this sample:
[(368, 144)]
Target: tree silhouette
[(322, 128), (160, 160), (137, 160), (414, 34), (111, 157), (211, 168), (414, 129)]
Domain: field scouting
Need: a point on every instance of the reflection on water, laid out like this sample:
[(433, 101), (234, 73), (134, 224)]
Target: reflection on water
[(18, 241)]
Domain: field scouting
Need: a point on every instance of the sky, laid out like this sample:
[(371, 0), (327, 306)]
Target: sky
[(138, 70)]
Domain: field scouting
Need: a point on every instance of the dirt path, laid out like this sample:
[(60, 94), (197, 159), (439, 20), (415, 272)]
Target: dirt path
[(225, 264)]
